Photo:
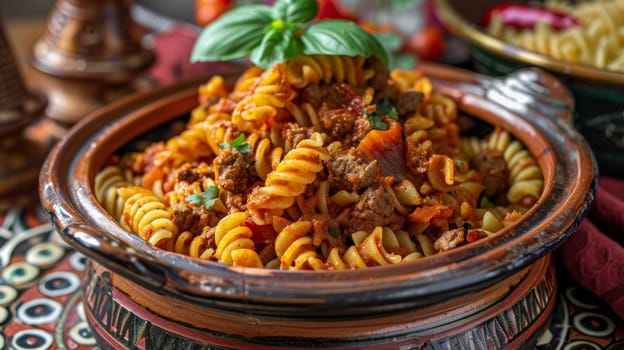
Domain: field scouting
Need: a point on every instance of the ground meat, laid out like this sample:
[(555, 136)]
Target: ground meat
[(361, 127), (292, 133), (407, 103), (338, 123), (334, 96), (449, 240), (374, 209), (191, 218), (417, 157), (235, 202), (314, 95), (493, 170), (380, 79), (337, 106), (350, 171), (233, 170), (190, 173)]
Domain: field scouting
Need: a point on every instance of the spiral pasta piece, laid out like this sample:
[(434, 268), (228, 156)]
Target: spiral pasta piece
[(305, 70), (107, 181), (146, 215), (266, 102), (525, 176), (195, 246), (402, 242), (298, 169), (234, 244), (266, 157), (370, 252), (412, 80), (294, 248)]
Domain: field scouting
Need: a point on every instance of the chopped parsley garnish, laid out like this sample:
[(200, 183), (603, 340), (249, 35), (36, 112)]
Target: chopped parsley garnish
[(453, 193), (333, 232), (238, 143), (206, 198), (383, 108)]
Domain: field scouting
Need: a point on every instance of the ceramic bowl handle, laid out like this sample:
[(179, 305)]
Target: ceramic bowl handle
[(528, 92), (115, 255), (531, 90)]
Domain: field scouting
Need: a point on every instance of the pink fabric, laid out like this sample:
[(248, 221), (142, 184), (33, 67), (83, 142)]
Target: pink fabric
[(173, 48), (594, 254)]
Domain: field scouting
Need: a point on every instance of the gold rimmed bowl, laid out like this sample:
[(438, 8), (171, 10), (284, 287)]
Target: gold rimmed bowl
[(139, 296), (598, 93)]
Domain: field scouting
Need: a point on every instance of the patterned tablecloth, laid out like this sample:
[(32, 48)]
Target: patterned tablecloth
[(41, 305)]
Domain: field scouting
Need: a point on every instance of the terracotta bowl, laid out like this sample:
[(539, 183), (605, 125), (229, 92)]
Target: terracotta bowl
[(498, 291), (598, 93)]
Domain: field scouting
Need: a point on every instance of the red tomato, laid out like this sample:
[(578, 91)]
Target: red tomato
[(427, 44), (328, 9), (475, 235), (261, 233), (207, 11)]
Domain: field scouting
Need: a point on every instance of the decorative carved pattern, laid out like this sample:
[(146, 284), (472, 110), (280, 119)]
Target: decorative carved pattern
[(508, 327)]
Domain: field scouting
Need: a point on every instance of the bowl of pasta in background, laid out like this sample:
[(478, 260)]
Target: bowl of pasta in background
[(596, 79), (498, 290)]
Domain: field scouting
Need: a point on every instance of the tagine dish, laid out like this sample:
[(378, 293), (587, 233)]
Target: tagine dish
[(312, 196)]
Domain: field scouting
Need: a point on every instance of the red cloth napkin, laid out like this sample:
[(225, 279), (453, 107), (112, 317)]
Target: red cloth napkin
[(594, 254), (173, 48)]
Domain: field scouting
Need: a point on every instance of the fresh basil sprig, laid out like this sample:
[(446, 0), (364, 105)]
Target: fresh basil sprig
[(270, 35)]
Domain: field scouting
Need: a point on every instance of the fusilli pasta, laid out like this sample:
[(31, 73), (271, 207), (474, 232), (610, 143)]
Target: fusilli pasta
[(320, 163)]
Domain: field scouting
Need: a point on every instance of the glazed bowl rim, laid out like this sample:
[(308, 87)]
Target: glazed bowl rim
[(75, 213), (475, 35)]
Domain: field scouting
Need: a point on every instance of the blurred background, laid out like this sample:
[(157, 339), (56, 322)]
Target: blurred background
[(25, 8)]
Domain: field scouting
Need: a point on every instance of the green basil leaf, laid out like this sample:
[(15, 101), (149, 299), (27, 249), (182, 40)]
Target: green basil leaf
[(233, 35), (402, 5), (339, 37), (402, 62), (278, 45), (295, 11), (390, 41)]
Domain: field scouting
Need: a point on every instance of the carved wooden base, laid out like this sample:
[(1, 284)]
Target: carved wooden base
[(509, 315)]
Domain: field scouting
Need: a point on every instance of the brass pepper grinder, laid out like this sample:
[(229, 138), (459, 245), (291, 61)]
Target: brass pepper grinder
[(21, 154), (90, 54)]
